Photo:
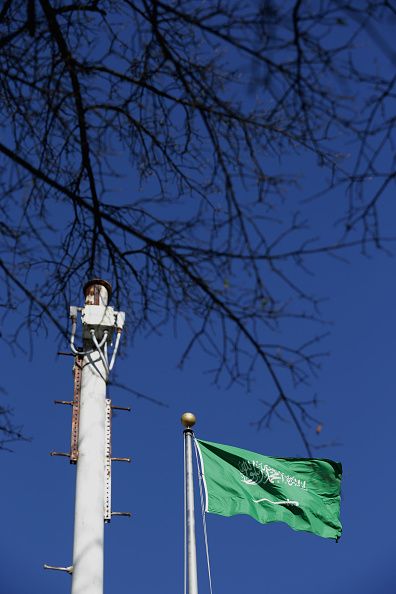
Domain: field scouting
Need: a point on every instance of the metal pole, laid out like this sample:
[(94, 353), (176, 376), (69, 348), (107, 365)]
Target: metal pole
[(90, 445), (88, 548), (188, 420)]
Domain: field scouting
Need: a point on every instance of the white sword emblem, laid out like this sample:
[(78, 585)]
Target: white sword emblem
[(287, 502)]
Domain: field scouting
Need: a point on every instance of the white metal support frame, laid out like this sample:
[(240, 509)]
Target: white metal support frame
[(107, 485), (93, 482)]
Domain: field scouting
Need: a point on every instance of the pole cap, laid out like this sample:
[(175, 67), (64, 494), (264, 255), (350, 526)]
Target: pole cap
[(101, 282), (188, 419)]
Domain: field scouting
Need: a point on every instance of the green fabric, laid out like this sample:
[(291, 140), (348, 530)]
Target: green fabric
[(303, 492)]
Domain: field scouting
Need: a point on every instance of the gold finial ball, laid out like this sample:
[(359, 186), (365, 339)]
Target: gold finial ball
[(188, 419)]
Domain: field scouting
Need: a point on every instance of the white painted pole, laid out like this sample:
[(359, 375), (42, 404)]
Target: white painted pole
[(188, 420), (88, 548)]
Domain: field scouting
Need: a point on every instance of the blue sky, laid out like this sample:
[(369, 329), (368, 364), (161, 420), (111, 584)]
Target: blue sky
[(145, 553)]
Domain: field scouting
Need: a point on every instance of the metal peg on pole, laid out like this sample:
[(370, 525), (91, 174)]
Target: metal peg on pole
[(188, 421)]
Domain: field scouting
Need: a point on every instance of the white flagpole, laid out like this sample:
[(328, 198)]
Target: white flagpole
[(188, 420)]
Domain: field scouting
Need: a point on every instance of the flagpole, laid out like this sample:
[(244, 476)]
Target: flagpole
[(188, 421)]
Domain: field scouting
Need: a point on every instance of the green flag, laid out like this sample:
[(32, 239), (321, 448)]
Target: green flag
[(303, 492)]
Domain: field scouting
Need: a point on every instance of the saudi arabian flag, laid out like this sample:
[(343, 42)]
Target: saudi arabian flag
[(303, 492)]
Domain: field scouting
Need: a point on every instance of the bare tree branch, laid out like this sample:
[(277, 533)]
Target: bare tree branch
[(152, 142)]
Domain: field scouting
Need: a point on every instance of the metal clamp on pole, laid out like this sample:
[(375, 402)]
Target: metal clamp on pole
[(121, 459), (126, 514)]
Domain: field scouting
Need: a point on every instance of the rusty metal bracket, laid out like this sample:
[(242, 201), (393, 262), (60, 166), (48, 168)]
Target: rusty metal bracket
[(77, 372)]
